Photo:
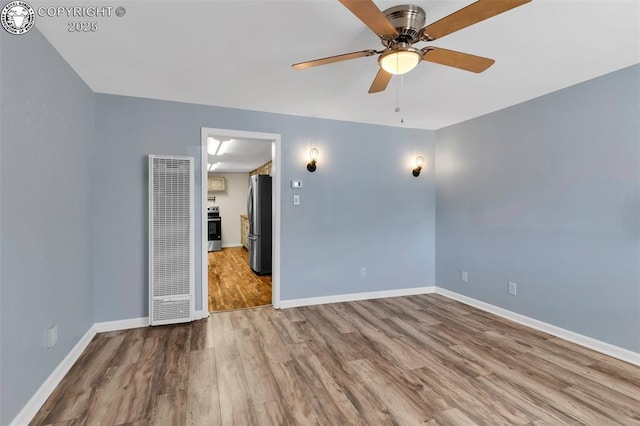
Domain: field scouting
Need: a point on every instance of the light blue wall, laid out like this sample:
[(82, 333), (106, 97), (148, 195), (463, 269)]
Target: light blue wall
[(547, 194), (46, 144), (362, 208)]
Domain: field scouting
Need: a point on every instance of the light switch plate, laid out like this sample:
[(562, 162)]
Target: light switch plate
[(52, 336), (296, 184)]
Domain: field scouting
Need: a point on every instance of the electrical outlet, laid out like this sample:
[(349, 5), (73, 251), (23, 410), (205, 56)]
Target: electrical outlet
[(464, 277), (52, 336), (363, 272), (296, 200), (513, 287)]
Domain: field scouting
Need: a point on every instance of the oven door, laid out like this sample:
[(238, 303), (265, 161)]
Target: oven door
[(214, 231), (214, 234)]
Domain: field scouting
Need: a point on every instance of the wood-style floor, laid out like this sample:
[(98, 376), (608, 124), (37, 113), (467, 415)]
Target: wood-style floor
[(399, 361), (232, 283)]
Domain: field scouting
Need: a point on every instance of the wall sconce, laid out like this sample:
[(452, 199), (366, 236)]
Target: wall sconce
[(418, 168), (313, 159)]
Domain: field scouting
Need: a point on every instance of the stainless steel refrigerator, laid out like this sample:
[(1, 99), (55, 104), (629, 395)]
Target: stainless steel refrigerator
[(259, 212)]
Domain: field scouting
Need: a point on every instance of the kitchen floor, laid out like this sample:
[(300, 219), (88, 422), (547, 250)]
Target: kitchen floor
[(232, 284)]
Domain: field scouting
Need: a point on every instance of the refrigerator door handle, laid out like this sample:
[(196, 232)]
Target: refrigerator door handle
[(252, 237), (250, 208)]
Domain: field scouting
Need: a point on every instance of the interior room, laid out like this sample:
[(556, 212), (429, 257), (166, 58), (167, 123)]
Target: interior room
[(455, 212), (233, 281)]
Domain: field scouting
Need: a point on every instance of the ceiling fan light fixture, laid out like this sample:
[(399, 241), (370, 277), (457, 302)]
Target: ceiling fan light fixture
[(399, 60)]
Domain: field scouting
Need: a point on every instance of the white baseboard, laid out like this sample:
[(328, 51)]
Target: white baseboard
[(308, 301), (38, 399), (588, 342), (232, 245), (200, 314), (102, 327)]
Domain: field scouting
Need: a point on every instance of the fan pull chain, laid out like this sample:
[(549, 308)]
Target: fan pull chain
[(398, 93)]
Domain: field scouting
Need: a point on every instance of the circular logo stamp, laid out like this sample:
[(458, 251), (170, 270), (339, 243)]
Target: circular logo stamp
[(17, 17)]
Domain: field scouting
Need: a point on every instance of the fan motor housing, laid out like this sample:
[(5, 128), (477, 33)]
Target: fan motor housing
[(408, 20)]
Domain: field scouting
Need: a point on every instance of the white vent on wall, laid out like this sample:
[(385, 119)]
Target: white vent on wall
[(171, 240)]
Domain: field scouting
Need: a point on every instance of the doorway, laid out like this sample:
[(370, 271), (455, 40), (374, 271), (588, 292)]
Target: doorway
[(236, 254)]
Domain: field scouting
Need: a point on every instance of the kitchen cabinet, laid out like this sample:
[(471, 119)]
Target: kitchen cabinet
[(265, 169), (216, 184), (244, 230)]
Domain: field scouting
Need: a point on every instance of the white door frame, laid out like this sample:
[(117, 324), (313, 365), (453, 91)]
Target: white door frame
[(276, 157)]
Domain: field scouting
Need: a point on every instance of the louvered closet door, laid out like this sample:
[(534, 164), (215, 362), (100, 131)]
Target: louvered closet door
[(171, 244)]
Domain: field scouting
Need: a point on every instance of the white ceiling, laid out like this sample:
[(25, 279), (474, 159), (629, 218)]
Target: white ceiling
[(239, 155), (239, 54)]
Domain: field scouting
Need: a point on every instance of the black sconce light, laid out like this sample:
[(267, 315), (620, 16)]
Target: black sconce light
[(313, 159), (418, 168)]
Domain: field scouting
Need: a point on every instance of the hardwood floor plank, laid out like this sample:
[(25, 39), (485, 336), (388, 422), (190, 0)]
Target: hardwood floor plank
[(461, 393), (224, 338), (548, 397), (332, 359), (581, 356), (144, 422), (72, 422), (69, 406), (201, 336), (272, 414), (236, 405), (232, 284), (619, 369), (453, 417), (175, 373), (287, 329), (203, 406), (170, 409), (401, 308), (421, 341), (139, 398), (129, 351), (108, 396), (203, 397), (520, 398), (202, 369), (240, 320), (403, 409), (410, 360), (621, 386), (385, 339), (257, 368), (273, 346), (603, 401), (335, 405), (325, 333), (296, 396)]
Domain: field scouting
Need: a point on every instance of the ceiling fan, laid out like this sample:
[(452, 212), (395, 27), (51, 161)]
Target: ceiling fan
[(400, 27)]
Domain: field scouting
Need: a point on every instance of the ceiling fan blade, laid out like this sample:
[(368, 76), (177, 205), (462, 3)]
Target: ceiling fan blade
[(332, 59), (380, 82), (451, 58), (371, 16), (472, 14)]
